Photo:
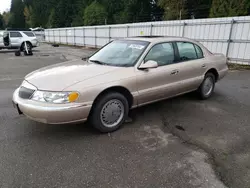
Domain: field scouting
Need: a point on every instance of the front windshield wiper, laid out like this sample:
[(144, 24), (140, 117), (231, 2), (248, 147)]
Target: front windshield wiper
[(125, 65), (98, 62), (116, 65)]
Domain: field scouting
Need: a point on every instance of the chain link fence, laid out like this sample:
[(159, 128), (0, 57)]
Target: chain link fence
[(230, 35)]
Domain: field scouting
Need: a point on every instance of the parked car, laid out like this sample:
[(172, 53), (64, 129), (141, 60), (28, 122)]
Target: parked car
[(16, 39), (122, 75)]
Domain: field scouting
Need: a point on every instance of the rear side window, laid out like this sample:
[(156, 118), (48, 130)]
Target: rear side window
[(29, 34), (198, 51), (15, 34), (187, 51)]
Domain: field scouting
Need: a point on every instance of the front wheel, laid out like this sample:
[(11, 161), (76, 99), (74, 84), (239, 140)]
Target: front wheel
[(207, 87), (109, 112), (29, 46)]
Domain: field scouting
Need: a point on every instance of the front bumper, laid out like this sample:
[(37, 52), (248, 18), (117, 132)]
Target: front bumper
[(52, 113)]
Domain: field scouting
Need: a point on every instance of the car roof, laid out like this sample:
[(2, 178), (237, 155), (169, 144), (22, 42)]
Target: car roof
[(17, 29), (22, 31), (156, 39)]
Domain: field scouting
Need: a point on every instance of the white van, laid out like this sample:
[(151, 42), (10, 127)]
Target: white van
[(16, 39)]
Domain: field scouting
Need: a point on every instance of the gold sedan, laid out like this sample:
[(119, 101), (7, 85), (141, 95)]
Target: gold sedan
[(122, 75)]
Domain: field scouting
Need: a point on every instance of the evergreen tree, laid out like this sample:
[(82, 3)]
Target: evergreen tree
[(157, 11), (17, 19), (135, 11), (221, 8), (95, 14), (27, 14), (40, 12), (113, 7), (67, 13), (2, 24), (78, 12), (6, 19), (200, 9), (27, 2), (52, 21), (174, 9)]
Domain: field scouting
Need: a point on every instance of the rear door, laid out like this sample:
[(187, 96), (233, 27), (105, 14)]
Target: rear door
[(192, 65), (15, 38)]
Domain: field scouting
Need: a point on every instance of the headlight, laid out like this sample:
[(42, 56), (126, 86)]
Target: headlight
[(55, 97)]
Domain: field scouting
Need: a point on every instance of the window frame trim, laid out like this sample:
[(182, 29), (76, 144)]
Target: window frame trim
[(195, 45)]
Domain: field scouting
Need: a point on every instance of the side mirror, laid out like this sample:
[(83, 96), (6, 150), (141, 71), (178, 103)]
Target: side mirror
[(150, 64)]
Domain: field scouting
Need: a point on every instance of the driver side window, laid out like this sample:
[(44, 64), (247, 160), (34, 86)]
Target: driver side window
[(162, 53)]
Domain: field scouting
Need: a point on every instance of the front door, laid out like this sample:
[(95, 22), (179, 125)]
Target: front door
[(4, 39), (158, 83), (15, 39)]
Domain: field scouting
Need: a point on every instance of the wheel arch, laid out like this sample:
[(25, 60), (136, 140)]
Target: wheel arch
[(27, 42), (120, 89), (214, 72)]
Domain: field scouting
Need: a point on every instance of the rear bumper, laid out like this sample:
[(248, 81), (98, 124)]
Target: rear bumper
[(35, 44), (51, 113), (223, 73)]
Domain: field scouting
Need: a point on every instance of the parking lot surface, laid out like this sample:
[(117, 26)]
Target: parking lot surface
[(181, 142)]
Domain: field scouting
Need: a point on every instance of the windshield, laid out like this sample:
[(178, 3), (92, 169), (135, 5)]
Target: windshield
[(120, 53)]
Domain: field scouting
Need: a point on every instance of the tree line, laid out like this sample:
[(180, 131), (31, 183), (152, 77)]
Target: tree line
[(66, 13)]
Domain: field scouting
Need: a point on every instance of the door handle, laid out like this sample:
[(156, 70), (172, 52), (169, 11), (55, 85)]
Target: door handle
[(174, 72), (204, 66)]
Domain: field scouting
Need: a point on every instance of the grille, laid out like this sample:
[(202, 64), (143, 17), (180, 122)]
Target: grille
[(25, 93)]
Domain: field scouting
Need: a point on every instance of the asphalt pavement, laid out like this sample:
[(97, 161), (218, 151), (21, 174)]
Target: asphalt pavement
[(176, 143)]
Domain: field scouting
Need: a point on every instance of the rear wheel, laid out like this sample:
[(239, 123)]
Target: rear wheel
[(109, 112), (207, 87)]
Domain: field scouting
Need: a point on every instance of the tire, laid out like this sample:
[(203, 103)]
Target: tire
[(29, 46), (55, 45), (17, 53), (30, 53), (100, 116), (206, 88)]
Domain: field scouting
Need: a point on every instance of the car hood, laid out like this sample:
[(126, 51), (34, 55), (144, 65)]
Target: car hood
[(60, 76)]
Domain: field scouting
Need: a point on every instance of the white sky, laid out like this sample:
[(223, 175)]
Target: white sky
[(4, 5)]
